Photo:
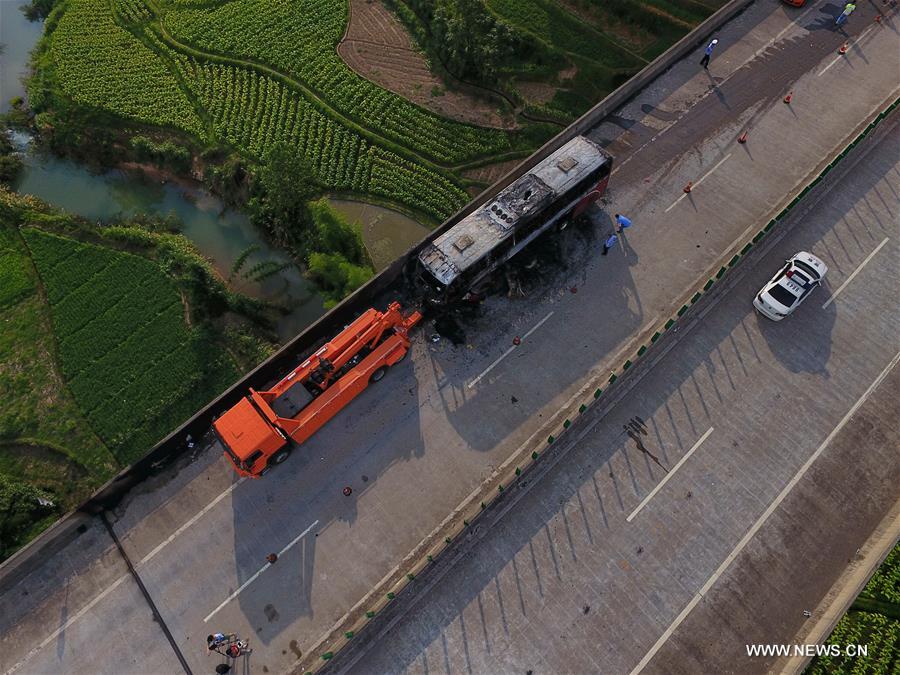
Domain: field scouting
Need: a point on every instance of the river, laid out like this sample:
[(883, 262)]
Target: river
[(219, 233)]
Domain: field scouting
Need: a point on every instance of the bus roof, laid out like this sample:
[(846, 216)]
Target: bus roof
[(477, 234)]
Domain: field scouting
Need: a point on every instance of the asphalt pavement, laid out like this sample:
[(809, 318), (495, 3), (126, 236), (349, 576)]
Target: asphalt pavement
[(719, 501), (423, 438)]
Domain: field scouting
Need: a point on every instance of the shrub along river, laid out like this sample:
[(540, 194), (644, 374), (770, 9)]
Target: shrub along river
[(219, 233)]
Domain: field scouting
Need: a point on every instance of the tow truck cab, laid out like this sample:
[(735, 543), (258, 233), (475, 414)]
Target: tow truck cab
[(259, 431)]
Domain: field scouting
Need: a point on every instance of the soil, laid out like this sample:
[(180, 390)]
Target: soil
[(378, 48), (536, 92), (629, 34), (491, 173)]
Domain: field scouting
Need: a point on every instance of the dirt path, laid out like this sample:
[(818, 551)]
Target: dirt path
[(377, 47)]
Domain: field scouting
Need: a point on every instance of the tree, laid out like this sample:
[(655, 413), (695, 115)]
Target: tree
[(21, 506), (279, 191)]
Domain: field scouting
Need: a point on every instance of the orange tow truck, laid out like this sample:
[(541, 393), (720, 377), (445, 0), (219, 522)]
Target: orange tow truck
[(258, 432)]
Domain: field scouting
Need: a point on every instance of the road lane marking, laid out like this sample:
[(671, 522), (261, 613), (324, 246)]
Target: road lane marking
[(855, 272), (168, 540), (118, 581), (669, 475), (843, 56), (84, 610), (507, 352), (705, 176), (260, 571), (761, 521), (792, 24)]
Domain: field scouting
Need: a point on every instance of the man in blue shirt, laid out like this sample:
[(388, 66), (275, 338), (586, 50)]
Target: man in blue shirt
[(622, 222), (707, 53), (609, 243)]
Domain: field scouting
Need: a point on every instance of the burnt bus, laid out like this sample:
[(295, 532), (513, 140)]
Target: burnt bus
[(556, 189)]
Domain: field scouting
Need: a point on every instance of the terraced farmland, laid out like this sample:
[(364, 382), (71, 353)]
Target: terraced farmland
[(252, 74)]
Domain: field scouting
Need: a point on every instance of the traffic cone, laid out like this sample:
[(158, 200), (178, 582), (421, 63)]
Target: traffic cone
[(878, 18), (844, 48), (742, 138), (517, 341), (688, 187), (348, 491), (787, 99)]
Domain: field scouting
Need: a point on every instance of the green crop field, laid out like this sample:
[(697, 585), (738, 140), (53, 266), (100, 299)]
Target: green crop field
[(132, 364), (874, 621), (252, 74), (103, 352)]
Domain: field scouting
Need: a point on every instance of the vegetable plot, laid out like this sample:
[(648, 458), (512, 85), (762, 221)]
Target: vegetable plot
[(100, 64), (298, 37), (254, 112), (134, 367)]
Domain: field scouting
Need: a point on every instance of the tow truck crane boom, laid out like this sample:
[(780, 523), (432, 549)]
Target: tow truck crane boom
[(256, 432)]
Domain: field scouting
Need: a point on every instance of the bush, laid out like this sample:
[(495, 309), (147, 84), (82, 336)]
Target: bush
[(10, 162), (336, 276), (333, 234), (20, 506), (166, 154)]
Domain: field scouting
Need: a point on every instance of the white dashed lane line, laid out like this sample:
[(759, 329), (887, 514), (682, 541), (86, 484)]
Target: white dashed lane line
[(703, 178), (669, 475), (762, 520), (507, 352), (855, 272)]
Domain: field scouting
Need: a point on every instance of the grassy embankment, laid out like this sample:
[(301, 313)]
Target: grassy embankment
[(573, 52), (111, 337), (873, 620)]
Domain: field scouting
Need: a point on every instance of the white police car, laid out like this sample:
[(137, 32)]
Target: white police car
[(791, 286)]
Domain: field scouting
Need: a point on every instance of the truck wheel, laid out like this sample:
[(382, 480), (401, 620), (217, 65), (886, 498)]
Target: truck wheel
[(280, 456), (378, 374)]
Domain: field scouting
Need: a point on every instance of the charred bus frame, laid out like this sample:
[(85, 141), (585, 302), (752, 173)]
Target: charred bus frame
[(558, 187)]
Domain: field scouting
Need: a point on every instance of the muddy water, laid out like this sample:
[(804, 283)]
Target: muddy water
[(220, 234), (18, 36), (387, 234)]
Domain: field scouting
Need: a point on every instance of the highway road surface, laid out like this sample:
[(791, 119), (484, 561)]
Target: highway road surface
[(185, 555), (719, 500)]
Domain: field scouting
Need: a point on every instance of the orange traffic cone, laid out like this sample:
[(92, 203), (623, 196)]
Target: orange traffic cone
[(878, 18), (742, 138), (688, 187), (787, 99), (844, 48), (517, 341)]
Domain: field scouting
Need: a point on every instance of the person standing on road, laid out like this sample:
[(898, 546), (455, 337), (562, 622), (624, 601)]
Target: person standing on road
[(622, 222), (843, 16), (707, 53), (609, 243)]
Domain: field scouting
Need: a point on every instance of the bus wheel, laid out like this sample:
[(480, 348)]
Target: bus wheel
[(280, 456), (378, 374)]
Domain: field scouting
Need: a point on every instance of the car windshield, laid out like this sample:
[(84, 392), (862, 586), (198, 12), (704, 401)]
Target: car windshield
[(809, 269), (783, 295)]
